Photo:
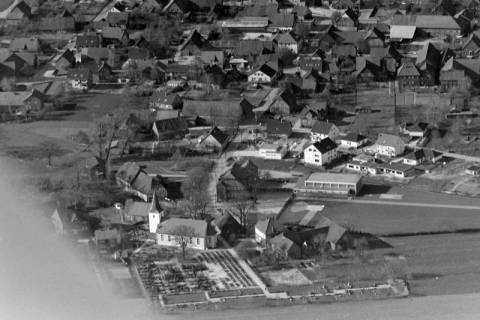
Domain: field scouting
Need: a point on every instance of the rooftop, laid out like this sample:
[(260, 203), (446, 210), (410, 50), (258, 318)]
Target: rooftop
[(328, 177)]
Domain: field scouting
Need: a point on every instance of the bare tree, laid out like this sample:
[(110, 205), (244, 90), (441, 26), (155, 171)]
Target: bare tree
[(243, 209), (195, 192), (183, 236), (50, 150)]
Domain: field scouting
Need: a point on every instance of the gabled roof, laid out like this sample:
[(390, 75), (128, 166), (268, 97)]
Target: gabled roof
[(402, 32), (28, 44), (325, 145), (408, 68), (199, 227), (173, 124), (15, 98), (264, 225), (386, 139), (113, 33), (426, 21), (137, 208), (282, 20), (269, 69), (20, 11), (351, 136), (196, 39), (322, 127), (285, 38), (415, 155), (87, 40), (185, 6), (117, 18), (219, 135), (279, 127)]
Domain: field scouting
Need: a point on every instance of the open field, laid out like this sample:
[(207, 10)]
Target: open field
[(442, 263), (383, 218)]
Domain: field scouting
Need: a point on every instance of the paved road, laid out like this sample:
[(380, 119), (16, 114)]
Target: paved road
[(403, 203)]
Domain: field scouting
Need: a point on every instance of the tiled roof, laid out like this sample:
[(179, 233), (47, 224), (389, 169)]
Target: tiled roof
[(322, 127), (199, 227), (325, 145)]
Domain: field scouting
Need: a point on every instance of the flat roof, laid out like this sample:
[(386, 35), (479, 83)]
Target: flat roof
[(334, 177)]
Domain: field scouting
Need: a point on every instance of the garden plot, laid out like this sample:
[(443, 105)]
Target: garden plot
[(211, 271), (288, 277)]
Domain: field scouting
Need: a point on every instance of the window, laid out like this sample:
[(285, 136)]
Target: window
[(317, 160), (168, 238), (191, 240), (198, 240), (161, 237)]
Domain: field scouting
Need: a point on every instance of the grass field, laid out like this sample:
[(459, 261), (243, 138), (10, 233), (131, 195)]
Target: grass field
[(441, 264)]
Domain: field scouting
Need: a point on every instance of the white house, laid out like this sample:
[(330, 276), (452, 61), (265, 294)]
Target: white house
[(285, 41), (322, 130), (265, 74), (321, 152), (389, 145), (414, 158), (197, 232), (273, 151), (352, 140)]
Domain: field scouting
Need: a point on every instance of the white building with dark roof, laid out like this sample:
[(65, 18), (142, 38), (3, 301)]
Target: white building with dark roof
[(201, 235), (320, 153)]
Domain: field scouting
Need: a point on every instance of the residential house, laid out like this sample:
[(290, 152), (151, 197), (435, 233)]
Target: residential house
[(281, 22), (285, 41), (135, 211), (170, 128), (31, 44), (279, 128), (408, 76), (402, 33), (194, 45), (213, 57), (229, 226), (416, 130), (136, 181), (348, 21), (283, 104), (428, 64), (310, 61), (66, 223), (178, 8), (80, 78), (352, 140), (19, 14), (216, 140), (273, 151), (58, 23), (322, 130), (471, 47), (230, 187), (161, 99), (114, 36), (264, 230), (87, 41), (453, 79), (285, 247), (321, 152), (414, 158), (266, 73), (198, 233), (311, 113), (389, 145), (216, 112), (20, 103), (65, 60), (117, 19)]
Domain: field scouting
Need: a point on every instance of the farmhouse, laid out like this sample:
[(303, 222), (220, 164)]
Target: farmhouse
[(267, 73), (200, 235), (215, 140), (340, 184), (17, 103)]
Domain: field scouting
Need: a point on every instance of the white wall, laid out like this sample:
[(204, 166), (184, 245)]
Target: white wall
[(153, 221), (166, 240), (312, 156)]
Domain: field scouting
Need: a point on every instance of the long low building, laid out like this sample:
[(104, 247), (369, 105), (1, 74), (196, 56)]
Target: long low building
[(336, 184)]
